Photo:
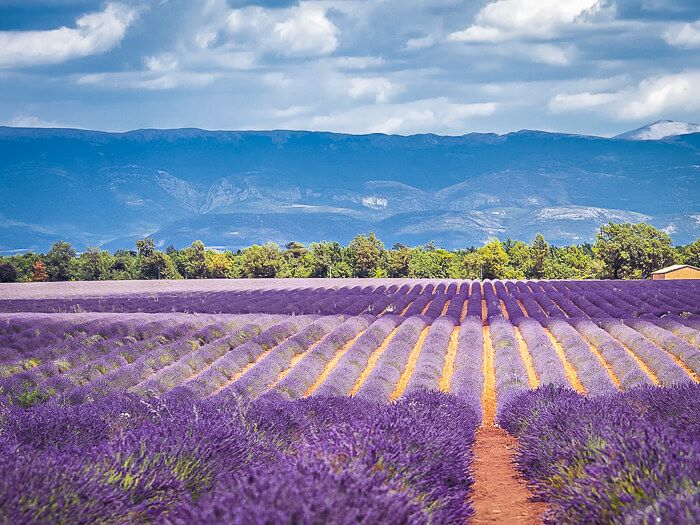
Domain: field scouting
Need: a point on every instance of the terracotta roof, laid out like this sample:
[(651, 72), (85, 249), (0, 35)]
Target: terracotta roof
[(675, 267)]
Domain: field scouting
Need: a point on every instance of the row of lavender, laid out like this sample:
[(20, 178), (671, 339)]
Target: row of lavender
[(376, 358), (620, 458), (537, 299), (177, 459)]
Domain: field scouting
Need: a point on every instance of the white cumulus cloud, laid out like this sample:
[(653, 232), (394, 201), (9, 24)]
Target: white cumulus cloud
[(378, 88), (507, 19), (93, 33), (652, 97), (684, 35), (303, 30)]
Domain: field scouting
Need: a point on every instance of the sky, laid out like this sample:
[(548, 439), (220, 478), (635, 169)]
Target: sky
[(357, 66)]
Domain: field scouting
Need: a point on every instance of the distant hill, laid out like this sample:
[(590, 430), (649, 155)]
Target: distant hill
[(234, 188), (660, 130)]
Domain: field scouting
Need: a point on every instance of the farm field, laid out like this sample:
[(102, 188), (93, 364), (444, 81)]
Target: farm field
[(318, 401)]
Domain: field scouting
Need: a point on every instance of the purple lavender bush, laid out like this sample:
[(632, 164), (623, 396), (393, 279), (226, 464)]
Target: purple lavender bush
[(177, 459), (622, 458)]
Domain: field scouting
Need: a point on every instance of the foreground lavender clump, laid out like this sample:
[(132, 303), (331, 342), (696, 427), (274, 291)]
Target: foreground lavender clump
[(175, 459), (620, 458)]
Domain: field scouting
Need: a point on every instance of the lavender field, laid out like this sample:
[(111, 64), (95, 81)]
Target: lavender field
[(316, 401)]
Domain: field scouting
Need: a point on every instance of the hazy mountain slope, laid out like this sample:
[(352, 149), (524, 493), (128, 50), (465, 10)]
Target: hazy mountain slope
[(108, 188), (659, 130)]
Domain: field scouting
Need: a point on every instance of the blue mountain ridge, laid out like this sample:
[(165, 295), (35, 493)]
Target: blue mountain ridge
[(235, 188)]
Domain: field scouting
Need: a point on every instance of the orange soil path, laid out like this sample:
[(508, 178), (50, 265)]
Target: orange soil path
[(330, 365), (604, 363), (532, 377), (500, 494), (295, 359), (676, 359), (488, 395), (372, 361), (641, 364), (568, 369), (410, 366), (449, 369)]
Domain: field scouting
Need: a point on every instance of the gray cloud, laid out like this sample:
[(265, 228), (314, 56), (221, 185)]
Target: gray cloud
[(402, 66)]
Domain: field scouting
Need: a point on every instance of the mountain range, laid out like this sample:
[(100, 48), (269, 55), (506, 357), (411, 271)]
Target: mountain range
[(235, 188)]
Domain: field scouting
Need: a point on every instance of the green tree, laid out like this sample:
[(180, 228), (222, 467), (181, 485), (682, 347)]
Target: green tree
[(219, 265), (94, 265), (58, 261), (326, 258), (632, 251), (191, 262), (518, 258), (8, 273), (146, 247), (691, 253), (365, 253), (539, 253), (434, 263), (493, 260), (262, 261), (398, 260)]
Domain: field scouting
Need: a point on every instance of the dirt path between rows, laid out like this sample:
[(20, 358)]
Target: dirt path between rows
[(500, 493)]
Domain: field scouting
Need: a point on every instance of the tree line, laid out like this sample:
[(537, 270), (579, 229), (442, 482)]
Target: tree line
[(620, 251)]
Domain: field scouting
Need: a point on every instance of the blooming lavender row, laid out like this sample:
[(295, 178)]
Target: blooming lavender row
[(659, 362), (145, 366), (511, 376), (679, 329), (621, 363), (351, 365), (297, 383), (549, 368), (120, 355), (181, 460), (467, 381), (680, 348), (267, 328), (382, 380), (431, 360), (629, 457), (76, 353), (264, 374), (231, 361), (589, 370)]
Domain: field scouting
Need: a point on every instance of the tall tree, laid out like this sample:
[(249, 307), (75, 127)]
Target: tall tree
[(8, 273), (691, 254), (39, 274), (365, 254), (262, 261), (539, 252), (633, 251), (58, 261)]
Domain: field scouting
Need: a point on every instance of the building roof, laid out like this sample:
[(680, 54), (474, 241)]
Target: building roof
[(675, 267)]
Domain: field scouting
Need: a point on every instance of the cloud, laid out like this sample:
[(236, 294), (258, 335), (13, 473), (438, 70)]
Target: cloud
[(438, 115), (378, 88), (300, 31), (94, 33), (652, 97), (684, 35), (162, 72), (30, 121), (508, 19)]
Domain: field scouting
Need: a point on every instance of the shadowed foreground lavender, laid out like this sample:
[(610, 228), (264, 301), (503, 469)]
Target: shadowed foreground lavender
[(177, 459), (623, 458)]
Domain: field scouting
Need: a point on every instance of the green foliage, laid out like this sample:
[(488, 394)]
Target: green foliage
[(30, 397), (621, 251), (8, 273), (691, 254), (58, 261), (262, 261), (632, 251), (365, 254)]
